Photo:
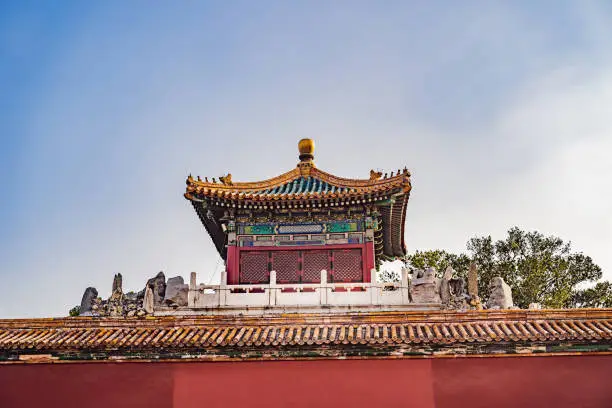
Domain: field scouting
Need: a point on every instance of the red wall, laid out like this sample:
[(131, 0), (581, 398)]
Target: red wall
[(581, 381)]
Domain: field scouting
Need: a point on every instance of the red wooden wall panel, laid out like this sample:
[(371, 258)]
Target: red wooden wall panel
[(351, 263)]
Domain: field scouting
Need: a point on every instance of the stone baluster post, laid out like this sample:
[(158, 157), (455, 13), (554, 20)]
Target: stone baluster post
[(223, 289), (323, 288), (272, 289), (192, 295), (405, 287), (374, 288)]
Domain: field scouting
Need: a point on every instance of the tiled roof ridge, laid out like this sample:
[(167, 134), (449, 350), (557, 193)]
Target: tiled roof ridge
[(314, 318), (204, 335), (402, 179), (246, 185)]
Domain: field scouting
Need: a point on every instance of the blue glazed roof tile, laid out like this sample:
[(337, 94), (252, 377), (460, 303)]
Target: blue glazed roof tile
[(302, 185)]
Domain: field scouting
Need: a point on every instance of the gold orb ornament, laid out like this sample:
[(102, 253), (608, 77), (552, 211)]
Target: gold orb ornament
[(306, 148)]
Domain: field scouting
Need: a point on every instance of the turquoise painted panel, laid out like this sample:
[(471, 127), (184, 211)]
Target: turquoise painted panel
[(259, 229), (342, 226)]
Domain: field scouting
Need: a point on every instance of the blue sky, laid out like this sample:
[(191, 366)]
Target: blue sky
[(500, 109)]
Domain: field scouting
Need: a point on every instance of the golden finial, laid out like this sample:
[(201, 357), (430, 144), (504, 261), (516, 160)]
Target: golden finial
[(306, 148), (199, 178)]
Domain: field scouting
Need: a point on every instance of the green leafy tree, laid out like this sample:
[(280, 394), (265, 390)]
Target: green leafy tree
[(440, 260), (538, 268), (599, 295), (75, 311)]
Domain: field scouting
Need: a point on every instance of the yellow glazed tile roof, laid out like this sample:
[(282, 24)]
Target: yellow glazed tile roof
[(385, 328), (295, 185)]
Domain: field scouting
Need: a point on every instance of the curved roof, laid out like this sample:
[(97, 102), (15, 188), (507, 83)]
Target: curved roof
[(298, 185)]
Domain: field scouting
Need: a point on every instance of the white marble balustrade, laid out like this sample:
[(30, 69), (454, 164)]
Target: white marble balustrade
[(321, 294)]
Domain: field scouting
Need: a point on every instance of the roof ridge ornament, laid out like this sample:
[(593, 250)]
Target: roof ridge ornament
[(227, 180), (375, 175), (306, 148)]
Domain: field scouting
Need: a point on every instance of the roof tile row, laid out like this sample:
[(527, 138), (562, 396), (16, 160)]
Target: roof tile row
[(207, 334), (293, 186)]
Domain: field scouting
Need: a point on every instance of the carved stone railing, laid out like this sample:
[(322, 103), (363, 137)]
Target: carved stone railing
[(321, 294)]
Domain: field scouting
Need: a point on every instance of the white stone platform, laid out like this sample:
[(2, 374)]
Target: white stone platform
[(274, 298)]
